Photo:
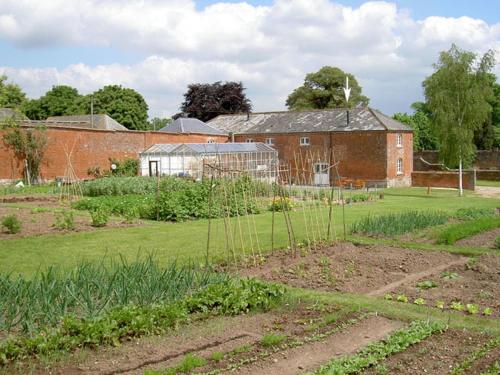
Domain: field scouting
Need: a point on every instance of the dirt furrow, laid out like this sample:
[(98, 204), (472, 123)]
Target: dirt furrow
[(311, 356), (411, 278)]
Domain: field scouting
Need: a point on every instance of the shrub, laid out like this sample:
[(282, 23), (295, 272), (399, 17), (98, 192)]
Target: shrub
[(12, 224), (281, 204), (128, 167), (64, 220), (99, 217), (497, 242), (359, 198), (453, 233), (398, 223)]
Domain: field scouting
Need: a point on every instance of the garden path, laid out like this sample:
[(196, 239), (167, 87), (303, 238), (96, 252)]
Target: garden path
[(411, 278)]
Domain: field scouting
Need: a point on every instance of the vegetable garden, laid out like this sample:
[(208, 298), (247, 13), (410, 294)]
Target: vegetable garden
[(269, 289)]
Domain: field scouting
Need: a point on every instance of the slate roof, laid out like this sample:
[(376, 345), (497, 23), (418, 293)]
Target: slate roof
[(360, 119), (207, 148), (100, 121), (8, 113), (186, 125)]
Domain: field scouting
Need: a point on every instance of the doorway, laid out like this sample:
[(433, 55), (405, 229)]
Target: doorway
[(153, 168), (321, 174)]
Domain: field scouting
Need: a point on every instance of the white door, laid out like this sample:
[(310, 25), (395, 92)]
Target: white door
[(321, 174)]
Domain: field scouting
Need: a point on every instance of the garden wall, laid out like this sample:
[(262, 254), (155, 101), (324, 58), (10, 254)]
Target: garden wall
[(90, 148), (484, 159), (444, 179)]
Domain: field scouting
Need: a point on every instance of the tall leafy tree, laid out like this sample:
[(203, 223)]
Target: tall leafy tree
[(125, 105), (323, 89), (58, 101), (420, 122), (11, 95), (205, 101), (457, 95)]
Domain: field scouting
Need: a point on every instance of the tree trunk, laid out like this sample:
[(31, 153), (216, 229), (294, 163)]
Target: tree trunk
[(460, 181)]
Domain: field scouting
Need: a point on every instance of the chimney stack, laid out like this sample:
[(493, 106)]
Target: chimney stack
[(348, 120)]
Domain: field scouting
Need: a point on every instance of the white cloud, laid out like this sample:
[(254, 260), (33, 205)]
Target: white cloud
[(269, 48)]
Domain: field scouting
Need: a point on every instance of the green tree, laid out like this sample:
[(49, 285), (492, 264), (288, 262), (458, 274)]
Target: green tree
[(58, 101), (28, 144), (11, 95), (323, 89), (156, 123), (457, 95), (125, 105), (423, 136), (495, 114)]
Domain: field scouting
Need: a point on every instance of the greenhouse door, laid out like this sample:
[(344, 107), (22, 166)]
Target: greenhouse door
[(321, 174), (153, 168)]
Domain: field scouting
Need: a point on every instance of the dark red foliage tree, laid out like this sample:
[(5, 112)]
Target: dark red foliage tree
[(205, 101)]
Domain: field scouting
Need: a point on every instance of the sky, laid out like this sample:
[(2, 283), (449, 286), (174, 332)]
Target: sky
[(158, 47)]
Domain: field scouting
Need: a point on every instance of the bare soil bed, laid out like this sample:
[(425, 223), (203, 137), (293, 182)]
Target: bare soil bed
[(39, 200), (39, 222), (349, 268), (485, 239), (476, 283), (438, 355)]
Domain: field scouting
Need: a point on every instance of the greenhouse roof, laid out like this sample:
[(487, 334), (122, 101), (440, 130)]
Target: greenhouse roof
[(207, 148)]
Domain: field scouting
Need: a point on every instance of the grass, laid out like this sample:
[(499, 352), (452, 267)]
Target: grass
[(186, 241), (488, 183), (451, 234)]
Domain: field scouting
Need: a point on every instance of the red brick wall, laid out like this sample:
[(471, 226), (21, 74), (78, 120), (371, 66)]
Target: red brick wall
[(442, 179), (403, 152), (361, 155), (91, 148)]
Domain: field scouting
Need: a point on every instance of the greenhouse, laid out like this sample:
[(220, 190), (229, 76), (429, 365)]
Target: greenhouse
[(197, 160)]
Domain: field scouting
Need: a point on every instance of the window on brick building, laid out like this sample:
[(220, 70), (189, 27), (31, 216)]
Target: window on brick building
[(399, 140), (399, 166), (304, 141), (269, 141), (249, 140)]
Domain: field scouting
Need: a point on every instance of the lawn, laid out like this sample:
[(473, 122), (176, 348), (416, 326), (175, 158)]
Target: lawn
[(187, 241), (488, 183)]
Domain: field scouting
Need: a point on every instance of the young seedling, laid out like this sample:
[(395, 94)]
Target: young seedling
[(457, 305), (472, 308), (487, 311), (402, 298), (388, 297), (427, 284), (440, 305), (217, 356), (272, 339), (419, 301), (449, 275)]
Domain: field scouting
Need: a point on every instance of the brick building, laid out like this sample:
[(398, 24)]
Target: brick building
[(362, 143), (91, 142)]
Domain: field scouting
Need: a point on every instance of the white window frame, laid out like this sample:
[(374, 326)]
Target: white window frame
[(399, 140), (269, 141), (304, 141), (399, 166), (249, 140)]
